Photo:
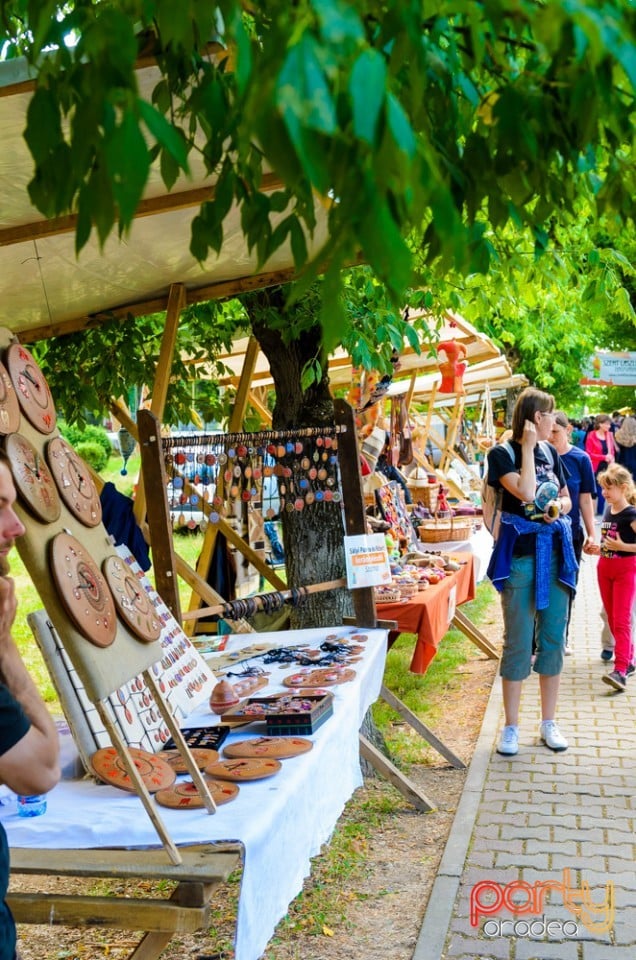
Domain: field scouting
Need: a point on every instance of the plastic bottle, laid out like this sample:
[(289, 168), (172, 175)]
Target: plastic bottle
[(33, 806)]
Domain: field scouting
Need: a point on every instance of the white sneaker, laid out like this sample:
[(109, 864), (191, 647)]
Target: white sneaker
[(509, 741), (552, 736)]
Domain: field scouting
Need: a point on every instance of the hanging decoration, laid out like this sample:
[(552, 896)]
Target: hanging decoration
[(127, 444), (454, 367), (271, 471)]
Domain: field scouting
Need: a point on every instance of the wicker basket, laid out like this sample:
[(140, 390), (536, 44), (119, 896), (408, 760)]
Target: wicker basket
[(438, 530), (427, 496), (387, 595)]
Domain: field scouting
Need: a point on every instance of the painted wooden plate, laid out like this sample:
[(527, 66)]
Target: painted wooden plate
[(278, 747), (31, 388), (133, 604), (202, 756), (185, 795), (256, 768), (83, 590), (155, 773), (9, 405), (323, 677)]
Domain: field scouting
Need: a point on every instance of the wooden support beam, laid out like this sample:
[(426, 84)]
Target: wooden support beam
[(176, 302), (154, 474), (204, 560), (468, 628), (425, 732), (353, 498), (387, 769)]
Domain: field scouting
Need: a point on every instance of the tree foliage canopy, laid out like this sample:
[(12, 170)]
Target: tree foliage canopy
[(448, 121)]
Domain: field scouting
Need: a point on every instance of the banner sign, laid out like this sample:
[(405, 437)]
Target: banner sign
[(367, 560), (607, 368)]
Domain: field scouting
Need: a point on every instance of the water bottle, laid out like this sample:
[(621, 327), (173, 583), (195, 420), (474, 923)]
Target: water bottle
[(33, 806)]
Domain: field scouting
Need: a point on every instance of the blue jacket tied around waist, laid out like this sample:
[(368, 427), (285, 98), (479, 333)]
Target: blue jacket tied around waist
[(513, 526)]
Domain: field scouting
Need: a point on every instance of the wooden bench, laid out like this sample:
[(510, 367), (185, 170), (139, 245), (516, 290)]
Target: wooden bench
[(204, 868)]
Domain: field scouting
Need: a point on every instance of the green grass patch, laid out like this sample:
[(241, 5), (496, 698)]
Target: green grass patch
[(425, 695)]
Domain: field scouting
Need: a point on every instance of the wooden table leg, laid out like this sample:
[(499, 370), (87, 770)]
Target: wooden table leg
[(425, 732), (461, 621)]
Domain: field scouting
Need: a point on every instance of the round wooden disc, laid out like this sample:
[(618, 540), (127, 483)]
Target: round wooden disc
[(134, 606), (31, 388), (33, 480), (202, 756), (249, 769), (185, 795), (9, 405), (323, 677), (82, 590), (74, 482), (155, 773), (278, 747)]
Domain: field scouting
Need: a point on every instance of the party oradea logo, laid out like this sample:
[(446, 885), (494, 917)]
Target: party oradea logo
[(593, 909)]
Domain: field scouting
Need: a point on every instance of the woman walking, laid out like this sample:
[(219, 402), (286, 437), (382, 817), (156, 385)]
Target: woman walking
[(533, 564), (625, 438), (600, 445)]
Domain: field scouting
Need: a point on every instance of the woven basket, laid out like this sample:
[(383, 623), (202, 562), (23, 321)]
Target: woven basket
[(437, 531), (408, 590), (425, 495), (387, 595)]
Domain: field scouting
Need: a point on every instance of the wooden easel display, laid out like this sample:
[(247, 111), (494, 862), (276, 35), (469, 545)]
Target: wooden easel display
[(105, 653)]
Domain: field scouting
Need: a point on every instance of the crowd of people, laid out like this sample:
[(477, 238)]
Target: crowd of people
[(565, 475)]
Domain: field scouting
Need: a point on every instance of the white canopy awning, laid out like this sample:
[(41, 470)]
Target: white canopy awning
[(47, 290)]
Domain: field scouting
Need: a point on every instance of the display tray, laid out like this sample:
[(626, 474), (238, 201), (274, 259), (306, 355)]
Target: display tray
[(207, 738), (283, 715)]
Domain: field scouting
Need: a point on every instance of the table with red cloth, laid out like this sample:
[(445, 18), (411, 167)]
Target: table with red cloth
[(427, 613)]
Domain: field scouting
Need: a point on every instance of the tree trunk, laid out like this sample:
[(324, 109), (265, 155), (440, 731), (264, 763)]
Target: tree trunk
[(314, 536)]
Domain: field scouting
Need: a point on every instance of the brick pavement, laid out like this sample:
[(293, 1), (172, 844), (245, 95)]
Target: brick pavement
[(568, 818)]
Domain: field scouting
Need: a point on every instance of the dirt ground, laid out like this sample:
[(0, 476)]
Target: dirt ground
[(385, 902)]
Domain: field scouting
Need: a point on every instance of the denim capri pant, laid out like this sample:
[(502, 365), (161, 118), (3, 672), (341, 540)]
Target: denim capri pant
[(519, 611)]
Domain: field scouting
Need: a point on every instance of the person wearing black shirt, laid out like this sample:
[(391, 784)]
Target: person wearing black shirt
[(29, 744)]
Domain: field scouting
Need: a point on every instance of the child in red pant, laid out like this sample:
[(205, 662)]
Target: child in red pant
[(617, 567)]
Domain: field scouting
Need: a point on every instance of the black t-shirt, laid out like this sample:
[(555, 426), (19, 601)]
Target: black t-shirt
[(14, 724), (620, 523), (551, 477)]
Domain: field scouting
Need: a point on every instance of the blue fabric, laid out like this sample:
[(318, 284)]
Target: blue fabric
[(513, 527), (580, 480), (522, 620), (119, 520)]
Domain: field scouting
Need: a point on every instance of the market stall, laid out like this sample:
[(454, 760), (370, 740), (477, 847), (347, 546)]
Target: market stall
[(430, 612), (275, 821)]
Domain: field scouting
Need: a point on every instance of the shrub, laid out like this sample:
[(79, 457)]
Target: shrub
[(90, 434), (93, 453)]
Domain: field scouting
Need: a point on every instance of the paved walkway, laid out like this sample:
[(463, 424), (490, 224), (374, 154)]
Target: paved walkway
[(569, 818)]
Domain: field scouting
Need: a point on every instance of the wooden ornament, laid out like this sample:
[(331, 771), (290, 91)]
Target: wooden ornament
[(185, 795), (74, 482), (322, 677), (134, 606), (154, 772), (9, 405), (280, 748), (223, 697), (32, 390), (83, 590), (33, 480), (248, 769), (201, 756)]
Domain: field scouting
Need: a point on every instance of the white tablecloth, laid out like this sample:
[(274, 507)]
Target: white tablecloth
[(282, 822)]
